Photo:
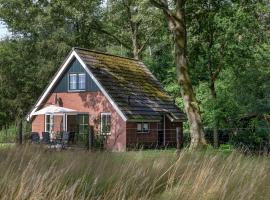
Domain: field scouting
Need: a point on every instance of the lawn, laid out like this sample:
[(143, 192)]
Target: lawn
[(38, 173)]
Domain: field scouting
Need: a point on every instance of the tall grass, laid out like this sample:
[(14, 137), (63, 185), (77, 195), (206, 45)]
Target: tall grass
[(36, 173)]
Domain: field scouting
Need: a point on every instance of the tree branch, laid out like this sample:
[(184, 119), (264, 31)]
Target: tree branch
[(219, 66), (146, 41), (98, 28)]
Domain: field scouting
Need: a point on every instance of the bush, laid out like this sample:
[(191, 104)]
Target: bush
[(249, 140)]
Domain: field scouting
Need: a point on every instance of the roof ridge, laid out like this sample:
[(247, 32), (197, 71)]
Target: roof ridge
[(104, 53)]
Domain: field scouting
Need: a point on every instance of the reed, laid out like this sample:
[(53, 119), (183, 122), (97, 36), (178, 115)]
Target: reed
[(36, 173)]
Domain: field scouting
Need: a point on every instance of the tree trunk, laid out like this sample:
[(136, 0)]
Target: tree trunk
[(135, 46), (189, 99), (176, 23), (215, 129)]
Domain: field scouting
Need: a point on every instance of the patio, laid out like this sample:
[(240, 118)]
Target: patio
[(63, 127)]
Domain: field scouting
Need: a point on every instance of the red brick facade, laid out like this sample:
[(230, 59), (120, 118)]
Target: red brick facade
[(93, 103), (123, 134)]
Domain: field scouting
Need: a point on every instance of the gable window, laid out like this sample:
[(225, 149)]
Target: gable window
[(81, 81), (105, 123), (142, 127), (77, 81), (72, 81)]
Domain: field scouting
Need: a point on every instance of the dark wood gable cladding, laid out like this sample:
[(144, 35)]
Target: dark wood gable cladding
[(137, 93), (75, 67)]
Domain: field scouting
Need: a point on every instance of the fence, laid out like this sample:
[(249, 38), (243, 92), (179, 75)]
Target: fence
[(10, 134), (247, 139)]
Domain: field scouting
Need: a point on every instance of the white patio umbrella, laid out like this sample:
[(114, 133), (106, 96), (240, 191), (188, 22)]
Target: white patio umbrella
[(53, 109)]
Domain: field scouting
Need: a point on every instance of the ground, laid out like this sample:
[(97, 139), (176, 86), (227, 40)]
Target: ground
[(36, 173)]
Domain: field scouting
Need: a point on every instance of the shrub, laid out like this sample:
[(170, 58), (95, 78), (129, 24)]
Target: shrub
[(249, 140)]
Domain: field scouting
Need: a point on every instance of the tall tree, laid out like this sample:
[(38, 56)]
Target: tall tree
[(131, 24), (177, 25)]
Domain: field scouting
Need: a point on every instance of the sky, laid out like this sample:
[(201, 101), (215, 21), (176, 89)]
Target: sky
[(3, 30)]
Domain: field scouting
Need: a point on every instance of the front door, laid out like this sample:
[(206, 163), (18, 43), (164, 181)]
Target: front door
[(72, 128), (71, 123)]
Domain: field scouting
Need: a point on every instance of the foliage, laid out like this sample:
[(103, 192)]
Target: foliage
[(251, 141), (228, 45)]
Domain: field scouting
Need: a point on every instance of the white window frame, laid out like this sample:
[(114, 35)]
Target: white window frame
[(51, 123), (142, 127), (81, 82), (77, 83), (69, 81), (101, 123)]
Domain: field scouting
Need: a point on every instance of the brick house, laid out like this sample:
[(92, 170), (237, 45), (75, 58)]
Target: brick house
[(117, 96)]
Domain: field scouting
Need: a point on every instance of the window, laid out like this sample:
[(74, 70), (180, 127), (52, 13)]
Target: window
[(83, 129), (142, 127), (105, 123), (83, 123), (72, 81), (81, 81), (77, 81), (48, 123)]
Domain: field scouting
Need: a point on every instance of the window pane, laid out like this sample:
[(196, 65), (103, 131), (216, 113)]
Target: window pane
[(72, 81), (47, 119), (145, 127), (81, 81), (139, 127), (105, 123), (85, 119), (80, 119)]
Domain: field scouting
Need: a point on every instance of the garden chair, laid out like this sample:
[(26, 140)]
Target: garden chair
[(65, 138), (35, 139), (46, 138)]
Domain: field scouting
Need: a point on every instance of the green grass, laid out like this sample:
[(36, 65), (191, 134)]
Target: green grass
[(6, 145), (38, 173)]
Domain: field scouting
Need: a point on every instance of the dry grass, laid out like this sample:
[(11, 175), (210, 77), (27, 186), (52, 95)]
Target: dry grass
[(35, 173)]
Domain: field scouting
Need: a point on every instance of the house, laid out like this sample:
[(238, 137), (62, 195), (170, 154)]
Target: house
[(117, 96)]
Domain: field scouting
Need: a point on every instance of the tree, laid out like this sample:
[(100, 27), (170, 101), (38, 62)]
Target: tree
[(177, 25), (131, 24), (224, 38)]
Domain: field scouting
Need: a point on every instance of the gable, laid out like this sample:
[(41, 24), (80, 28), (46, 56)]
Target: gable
[(74, 67), (60, 74)]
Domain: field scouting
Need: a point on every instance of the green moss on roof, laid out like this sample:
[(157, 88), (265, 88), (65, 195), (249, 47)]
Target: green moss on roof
[(127, 71), (130, 84)]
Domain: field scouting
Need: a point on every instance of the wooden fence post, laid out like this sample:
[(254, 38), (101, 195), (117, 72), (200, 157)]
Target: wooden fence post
[(178, 140)]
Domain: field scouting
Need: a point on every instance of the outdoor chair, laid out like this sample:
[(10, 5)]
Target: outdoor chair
[(46, 138), (35, 139), (65, 138), (71, 138), (58, 139)]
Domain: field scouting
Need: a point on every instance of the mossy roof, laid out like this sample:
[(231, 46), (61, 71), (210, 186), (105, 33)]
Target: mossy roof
[(134, 89)]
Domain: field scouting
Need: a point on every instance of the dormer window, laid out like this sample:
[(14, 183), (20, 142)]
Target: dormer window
[(77, 81)]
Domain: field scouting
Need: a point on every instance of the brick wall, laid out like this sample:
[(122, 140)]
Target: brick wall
[(93, 103), (150, 139), (135, 139), (38, 124), (170, 138)]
